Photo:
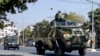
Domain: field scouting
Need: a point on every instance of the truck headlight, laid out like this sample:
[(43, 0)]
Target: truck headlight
[(9, 43), (13, 43), (67, 36)]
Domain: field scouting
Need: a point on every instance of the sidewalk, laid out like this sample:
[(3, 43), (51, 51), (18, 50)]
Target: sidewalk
[(12, 53), (96, 50)]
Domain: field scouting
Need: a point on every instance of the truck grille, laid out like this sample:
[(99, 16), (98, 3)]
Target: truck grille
[(76, 40)]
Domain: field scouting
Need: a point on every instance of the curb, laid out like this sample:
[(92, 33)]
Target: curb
[(93, 50)]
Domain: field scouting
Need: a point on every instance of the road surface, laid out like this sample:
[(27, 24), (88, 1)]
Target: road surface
[(32, 51)]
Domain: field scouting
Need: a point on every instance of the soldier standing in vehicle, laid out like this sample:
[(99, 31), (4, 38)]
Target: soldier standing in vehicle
[(58, 16)]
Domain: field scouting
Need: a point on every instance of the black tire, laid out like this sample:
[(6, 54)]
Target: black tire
[(40, 50), (5, 48), (59, 52), (82, 51), (17, 48), (14, 48)]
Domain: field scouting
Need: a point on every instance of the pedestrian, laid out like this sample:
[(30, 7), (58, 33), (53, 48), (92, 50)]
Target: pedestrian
[(90, 39)]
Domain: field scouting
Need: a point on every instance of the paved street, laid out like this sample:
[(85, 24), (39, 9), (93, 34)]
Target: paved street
[(30, 51), (24, 51)]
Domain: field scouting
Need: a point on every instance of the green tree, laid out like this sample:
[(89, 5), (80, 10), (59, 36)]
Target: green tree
[(40, 29), (12, 6), (75, 17), (86, 25), (26, 34), (96, 19), (96, 24)]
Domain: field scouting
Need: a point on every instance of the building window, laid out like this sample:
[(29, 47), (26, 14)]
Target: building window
[(2, 30), (11, 30), (5, 32), (2, 34)]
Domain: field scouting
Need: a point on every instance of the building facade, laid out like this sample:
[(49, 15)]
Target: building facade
[(9, 30)]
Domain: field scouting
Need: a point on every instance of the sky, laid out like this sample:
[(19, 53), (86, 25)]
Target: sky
[(42, 10)]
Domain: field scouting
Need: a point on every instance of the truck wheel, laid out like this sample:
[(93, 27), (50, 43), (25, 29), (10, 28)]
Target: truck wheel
[(14, 48), (17, 48), (40, 50), (5, 48), (59, 52), (82, 51)]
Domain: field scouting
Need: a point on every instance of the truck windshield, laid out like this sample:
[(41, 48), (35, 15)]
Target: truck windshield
[(65, 24), (65, 30), (12, 40)]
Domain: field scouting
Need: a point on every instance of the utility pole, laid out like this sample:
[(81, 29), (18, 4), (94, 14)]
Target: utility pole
[(23, 38), (93, 31), (96, 3), (23, 33)]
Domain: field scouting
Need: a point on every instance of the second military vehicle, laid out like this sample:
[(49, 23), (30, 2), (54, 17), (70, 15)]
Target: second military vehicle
[(10, 42)]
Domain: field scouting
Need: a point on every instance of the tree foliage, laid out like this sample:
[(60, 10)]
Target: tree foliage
[(75, 17), (96, 19), (10, 6), (40, 29), (86, 25), (27, 33), (13, 6), (96, 24)]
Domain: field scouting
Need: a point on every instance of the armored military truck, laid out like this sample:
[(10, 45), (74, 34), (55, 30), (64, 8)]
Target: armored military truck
[(63, 36)]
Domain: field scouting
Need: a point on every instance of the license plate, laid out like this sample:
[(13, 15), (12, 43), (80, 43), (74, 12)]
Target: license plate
[(68, 43)]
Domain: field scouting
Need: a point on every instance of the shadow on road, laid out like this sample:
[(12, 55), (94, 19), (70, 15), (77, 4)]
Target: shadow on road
[(63, 55), (10, 55), (33, 53), (52, 54)]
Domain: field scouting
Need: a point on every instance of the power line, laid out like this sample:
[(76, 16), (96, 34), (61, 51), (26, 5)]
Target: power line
[(96, 3), (75, 2)]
